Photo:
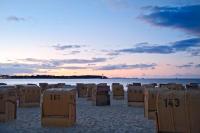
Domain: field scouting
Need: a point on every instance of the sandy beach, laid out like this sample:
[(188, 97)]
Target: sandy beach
[(117, 118)]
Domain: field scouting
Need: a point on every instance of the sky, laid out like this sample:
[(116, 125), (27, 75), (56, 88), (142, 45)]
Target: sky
[(114, 38)]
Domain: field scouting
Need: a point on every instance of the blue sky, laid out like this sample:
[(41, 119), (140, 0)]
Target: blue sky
[(117, 38)]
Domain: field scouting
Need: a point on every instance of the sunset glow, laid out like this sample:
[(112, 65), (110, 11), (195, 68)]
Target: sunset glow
[(114, 38)]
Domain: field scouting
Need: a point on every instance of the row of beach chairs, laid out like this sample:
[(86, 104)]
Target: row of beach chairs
[(58, 105), (173, 107)]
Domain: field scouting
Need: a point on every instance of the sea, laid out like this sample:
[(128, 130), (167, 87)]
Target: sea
[(109, 81)]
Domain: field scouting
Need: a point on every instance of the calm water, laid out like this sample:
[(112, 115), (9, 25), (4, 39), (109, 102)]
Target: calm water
[(123, 81)]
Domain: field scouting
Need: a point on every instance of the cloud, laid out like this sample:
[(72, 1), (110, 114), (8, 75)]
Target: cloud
[(74, 67), (64, 47), (187, 45), (15, 18), (113, 53), (11, 71), (188, 65), (75, 52), (32, 60), (110, 53), (72, 52), (186, 18), (195, 52), (125, 66), (198, 66), (91, 64), (22, 68), (18, 65), (76, 61), (17, 68), (58, 62), (33, 65), (183, 45), (149, 49)]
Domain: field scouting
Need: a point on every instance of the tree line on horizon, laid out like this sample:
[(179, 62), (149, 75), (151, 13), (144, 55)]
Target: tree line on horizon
[(53, 76)]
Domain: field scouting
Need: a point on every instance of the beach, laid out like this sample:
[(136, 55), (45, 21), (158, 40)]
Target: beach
[(117, 118), (57, 54)]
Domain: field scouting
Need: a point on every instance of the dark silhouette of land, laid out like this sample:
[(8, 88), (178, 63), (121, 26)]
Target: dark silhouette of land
[(53, 77)]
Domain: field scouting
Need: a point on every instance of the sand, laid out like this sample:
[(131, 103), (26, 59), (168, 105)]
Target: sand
[(117, 118)]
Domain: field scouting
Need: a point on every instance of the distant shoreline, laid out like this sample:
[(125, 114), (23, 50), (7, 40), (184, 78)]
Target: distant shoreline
[(83, 77), (99, 78), (53, 77)]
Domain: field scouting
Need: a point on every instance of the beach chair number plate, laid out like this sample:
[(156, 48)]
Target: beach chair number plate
[(172, 102), (55, 97)]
